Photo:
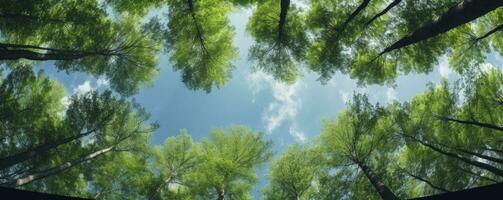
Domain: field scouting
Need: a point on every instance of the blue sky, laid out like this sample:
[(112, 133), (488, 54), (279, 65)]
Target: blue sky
[(287, 114)]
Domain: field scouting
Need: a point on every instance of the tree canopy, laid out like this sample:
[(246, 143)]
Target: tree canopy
[(97, 144)]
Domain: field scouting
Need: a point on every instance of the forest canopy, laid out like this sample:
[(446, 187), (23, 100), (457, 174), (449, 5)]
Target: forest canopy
[(98, 144)]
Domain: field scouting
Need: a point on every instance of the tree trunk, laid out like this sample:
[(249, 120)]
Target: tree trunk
[(32, 55), (220, 193), (489, 33), (470, 122), (462, 13), (381, 188), (353, 15), (58, 169), (23, 156), (476, 175), (15, 52), (389, 7), (285, 5), (453, 155), (490, 158)]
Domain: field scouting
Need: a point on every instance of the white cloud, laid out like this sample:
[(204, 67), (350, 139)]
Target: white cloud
[(443, 68), (102, 82), (79, 90), (344, 96), (65, 102), (298, 134), (284, 107), (286, 102), (257, 81), (391, 94), (83, 88)]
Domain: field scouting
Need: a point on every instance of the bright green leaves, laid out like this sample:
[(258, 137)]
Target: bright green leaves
[(200, 41), (81, 36), (223, 166), (280, 39), (231, 157), (83, 124), (294, 174)]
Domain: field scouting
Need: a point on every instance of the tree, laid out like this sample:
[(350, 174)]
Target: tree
[(355, 136), (200, 41), (178, 157), (85, 38), (280, 39), (364, 48), (93, 125), (448, 154), (463, 12), (86, 115), (292, 174), (229, 162)]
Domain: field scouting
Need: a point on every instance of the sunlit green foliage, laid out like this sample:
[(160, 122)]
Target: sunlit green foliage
[(280, 41), (294, 175), (37, 149), (79, 36), (97, 144), (200, 41)]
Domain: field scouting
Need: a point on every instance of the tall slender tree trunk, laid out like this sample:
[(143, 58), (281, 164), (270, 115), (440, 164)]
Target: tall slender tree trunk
[(383, 12), (23, 156), (285, 5), (489, 33), (472, 122), (490, 158), (476, 174), (462, 13), (15, 52), (381, 188), (220, 193), (461, 158), (6, 54), (57, 169)]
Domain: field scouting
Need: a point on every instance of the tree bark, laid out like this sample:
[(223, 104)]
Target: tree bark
[(285, 5), (15, 52), (489, 33), (23, 156), (493, 150), (389, 7), (381, 188), (462, 13), (220, 193), (461, 158), (490, 158), (57, 169), (472, 122)]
